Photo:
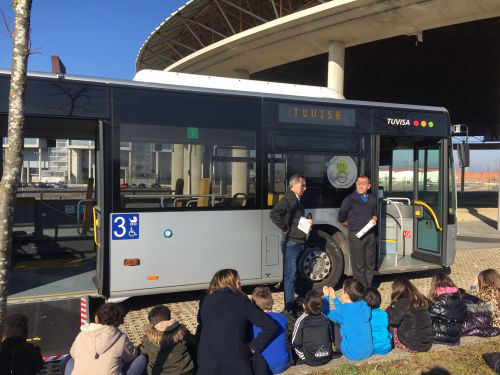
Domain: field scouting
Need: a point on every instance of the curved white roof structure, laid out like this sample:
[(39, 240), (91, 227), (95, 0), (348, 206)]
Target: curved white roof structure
[(216, 37)]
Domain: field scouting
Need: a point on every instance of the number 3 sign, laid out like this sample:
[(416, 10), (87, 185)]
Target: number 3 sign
[(125, 226)]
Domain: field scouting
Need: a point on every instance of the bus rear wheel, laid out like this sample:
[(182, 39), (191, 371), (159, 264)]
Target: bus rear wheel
[(321, 264)]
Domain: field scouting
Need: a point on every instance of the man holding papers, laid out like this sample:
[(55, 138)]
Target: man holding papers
[(288, 215), (358, 212)]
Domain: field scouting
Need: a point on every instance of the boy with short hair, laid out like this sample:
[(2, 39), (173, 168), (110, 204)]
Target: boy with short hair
[(312, 335), (382, 338), (276, 355), (353, 333)]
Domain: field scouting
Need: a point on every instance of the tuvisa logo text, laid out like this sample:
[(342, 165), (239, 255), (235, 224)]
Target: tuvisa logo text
[(406, 122)]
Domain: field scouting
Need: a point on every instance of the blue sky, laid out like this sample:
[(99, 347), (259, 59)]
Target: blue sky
[(102, 38), (92, 37)]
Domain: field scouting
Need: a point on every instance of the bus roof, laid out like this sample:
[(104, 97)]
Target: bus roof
[(231, 86)]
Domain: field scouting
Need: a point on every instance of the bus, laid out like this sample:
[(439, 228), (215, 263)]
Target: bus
[(150, 186)]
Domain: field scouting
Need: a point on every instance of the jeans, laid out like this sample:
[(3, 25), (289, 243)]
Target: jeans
[(291, 252)]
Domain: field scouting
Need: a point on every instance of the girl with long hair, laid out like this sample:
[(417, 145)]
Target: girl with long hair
[(409, 317), (488, 289), (225, 321), (447, 310)]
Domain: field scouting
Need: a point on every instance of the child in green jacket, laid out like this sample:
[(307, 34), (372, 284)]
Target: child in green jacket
[(168, 344)]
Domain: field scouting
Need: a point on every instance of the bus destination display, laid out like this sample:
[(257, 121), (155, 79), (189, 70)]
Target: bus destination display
[(316, 115)]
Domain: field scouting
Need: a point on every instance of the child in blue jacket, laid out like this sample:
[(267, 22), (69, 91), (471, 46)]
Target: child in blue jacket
[(382, 338), (353, 333), (275, 358)]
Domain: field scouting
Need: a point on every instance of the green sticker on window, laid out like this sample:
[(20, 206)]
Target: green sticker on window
[(192, 133)]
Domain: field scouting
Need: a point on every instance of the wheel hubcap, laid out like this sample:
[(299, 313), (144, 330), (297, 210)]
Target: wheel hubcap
[(316, 265)]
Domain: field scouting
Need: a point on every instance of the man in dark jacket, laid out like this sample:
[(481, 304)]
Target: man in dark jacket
[(286, 215), (356, 210)]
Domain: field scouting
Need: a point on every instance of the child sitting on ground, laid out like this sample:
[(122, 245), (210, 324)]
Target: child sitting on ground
[(169, 345), (447, 310), (276, 355), (101, 348), (409, 317), (16, 355), (488, 290), (382, 338), (312, 335), (353, 333)]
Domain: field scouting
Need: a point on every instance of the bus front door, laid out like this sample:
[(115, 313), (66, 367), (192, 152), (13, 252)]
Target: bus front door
[(412, 218), (429, 202)]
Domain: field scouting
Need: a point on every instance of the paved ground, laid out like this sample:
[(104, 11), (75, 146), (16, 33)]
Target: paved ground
[(477, 234), (477, 227), (184, 306)]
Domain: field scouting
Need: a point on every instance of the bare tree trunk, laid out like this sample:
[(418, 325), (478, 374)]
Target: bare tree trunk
[(14, 156)]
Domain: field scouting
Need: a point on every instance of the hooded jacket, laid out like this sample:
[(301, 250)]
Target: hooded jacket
[(447, 313), (414, 325), (312, 339), (101, 350), (286, 215), (355, 329), (169, 347)]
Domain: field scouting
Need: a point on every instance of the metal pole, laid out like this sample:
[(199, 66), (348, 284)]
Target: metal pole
[(462, 180)]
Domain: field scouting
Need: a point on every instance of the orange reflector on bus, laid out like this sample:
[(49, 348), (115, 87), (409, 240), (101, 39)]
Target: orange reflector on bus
[(132, 262), (153, 277)]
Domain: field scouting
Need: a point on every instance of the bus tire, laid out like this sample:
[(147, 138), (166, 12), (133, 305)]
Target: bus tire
[(321, 264)]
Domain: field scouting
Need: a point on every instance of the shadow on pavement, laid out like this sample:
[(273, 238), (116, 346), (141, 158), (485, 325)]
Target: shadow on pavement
[(485, 219)]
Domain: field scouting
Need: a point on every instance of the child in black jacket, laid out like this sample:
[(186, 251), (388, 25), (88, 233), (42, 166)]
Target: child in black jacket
[(312, 335), (409, 317), (447, 310)]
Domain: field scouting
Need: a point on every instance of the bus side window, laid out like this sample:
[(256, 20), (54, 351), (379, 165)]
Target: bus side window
[(167, 167)]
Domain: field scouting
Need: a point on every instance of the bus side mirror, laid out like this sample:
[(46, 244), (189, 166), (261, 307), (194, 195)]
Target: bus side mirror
[(464, 154)]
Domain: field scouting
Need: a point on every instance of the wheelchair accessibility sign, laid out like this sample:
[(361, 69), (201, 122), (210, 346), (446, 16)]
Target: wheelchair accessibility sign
[(125, 226)]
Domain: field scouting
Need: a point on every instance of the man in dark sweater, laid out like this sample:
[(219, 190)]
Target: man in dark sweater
[(286, 215), (356, 210)]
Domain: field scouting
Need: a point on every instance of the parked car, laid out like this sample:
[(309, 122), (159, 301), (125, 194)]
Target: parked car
[(61, 185), (155, 185), (124, 186), (141, 186)]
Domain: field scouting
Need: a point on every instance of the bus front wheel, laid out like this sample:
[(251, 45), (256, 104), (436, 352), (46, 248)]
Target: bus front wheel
[(322, 263)]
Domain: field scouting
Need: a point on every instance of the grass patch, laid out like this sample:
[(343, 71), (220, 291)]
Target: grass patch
[(464, 360)]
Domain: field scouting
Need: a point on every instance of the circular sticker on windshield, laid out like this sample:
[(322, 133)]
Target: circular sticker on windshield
[(342, 171)]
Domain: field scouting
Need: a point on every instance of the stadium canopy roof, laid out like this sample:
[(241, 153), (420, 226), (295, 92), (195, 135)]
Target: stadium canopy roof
[(200, 23)]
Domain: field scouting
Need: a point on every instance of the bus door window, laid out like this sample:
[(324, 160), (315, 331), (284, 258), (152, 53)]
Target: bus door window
[(428, 192), (309, 157), (396, 172)]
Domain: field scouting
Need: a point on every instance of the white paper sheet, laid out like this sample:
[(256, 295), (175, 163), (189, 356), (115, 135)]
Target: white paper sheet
[(304, 225), (366, 228)]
